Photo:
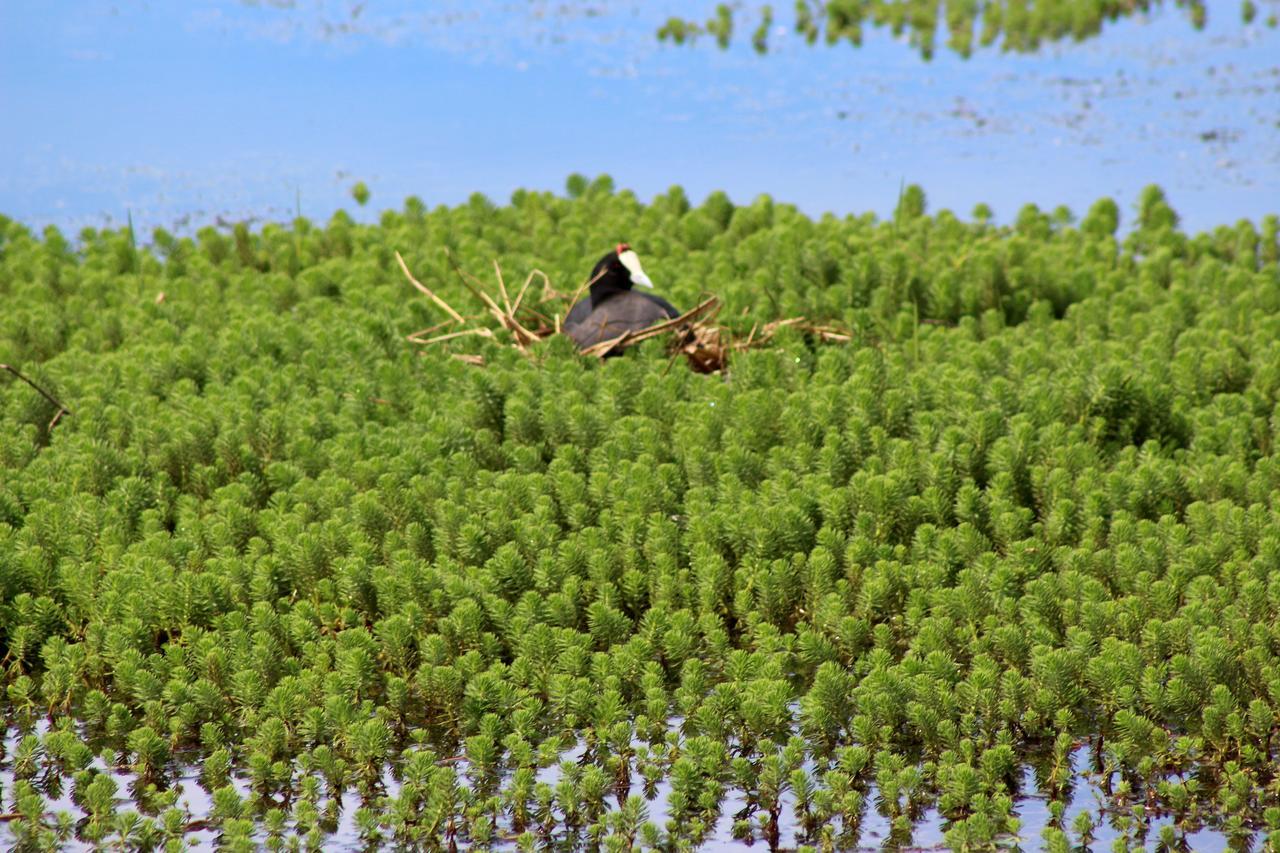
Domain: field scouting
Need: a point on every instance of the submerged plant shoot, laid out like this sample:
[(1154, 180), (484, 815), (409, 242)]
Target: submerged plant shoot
[(273, 576), (1015, 25)]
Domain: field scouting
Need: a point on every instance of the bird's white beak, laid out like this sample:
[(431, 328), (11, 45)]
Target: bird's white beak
[(631, 261)]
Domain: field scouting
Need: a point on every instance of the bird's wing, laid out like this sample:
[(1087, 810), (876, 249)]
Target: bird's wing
[(671, 310)]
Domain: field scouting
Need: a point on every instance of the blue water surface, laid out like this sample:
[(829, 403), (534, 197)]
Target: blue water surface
[(183, 113)]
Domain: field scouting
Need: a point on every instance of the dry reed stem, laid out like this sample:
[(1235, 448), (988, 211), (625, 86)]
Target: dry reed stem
[(457, 318), (62, 410), (573, 300), (471, 282), (604, 347), (508, 318), (415, 337), (520, 296), (502, 287), (826, 333), (549, 293), (482, 332), (521, 334)]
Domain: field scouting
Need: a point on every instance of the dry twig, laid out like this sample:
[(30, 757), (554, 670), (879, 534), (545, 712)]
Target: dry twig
[(414, 337), (546, 283), (62, 410), (482, 332), (573, 300), (430, 295), (502, 287)]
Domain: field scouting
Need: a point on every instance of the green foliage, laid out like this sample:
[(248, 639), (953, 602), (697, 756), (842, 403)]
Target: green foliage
[(1015, 24), (276, 552)]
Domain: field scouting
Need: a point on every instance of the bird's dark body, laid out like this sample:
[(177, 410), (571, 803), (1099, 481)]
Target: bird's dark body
[(591, 321), (612, 307)]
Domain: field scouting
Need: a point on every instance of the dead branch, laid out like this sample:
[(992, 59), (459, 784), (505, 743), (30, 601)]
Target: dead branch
[(469, 281), (62, 410), (413, 337), (506, 318), (502, 287), (573, 300), (477, 288), (482, 332), (546, 283), (430, 295), (603, 348), (826, 333)]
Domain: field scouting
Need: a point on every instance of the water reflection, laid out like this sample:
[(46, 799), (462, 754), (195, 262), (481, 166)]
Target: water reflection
[(185, 112)]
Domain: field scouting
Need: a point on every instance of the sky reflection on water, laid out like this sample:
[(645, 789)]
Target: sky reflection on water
[(181, 113)]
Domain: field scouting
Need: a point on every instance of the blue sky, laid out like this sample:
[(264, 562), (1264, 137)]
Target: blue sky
[(182, 112)]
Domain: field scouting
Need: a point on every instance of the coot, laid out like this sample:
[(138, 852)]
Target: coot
[(612, 307)]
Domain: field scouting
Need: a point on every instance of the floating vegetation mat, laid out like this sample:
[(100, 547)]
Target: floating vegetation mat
[(984, 553)]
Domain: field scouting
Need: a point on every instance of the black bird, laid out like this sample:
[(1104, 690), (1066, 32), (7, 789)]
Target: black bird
[(613, 307)]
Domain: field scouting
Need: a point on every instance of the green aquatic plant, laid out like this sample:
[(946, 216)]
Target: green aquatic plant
[(355, 592), (1015, 24)]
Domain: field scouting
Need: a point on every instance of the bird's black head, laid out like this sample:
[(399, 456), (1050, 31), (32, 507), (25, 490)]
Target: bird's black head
[(618, 270)]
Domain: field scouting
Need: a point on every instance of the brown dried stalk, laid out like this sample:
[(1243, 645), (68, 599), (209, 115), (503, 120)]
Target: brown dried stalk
[(573, 300), (506, 318), (415, 337), (546, 283), (482, 332), (502, 287), (457, 318), (62, 410)]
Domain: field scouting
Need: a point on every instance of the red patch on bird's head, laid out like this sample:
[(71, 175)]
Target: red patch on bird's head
[(623, 247)]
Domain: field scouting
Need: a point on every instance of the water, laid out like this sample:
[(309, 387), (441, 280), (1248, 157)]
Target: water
[(181, 114), (1031, 807)]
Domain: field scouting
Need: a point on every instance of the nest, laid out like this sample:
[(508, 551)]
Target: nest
[(527, 319)]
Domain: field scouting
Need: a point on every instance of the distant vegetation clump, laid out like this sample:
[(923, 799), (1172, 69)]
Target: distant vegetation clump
[(1016, 25), (279, 573)]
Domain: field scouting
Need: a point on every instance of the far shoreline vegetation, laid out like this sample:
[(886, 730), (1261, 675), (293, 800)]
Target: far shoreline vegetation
[(966, 25)]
